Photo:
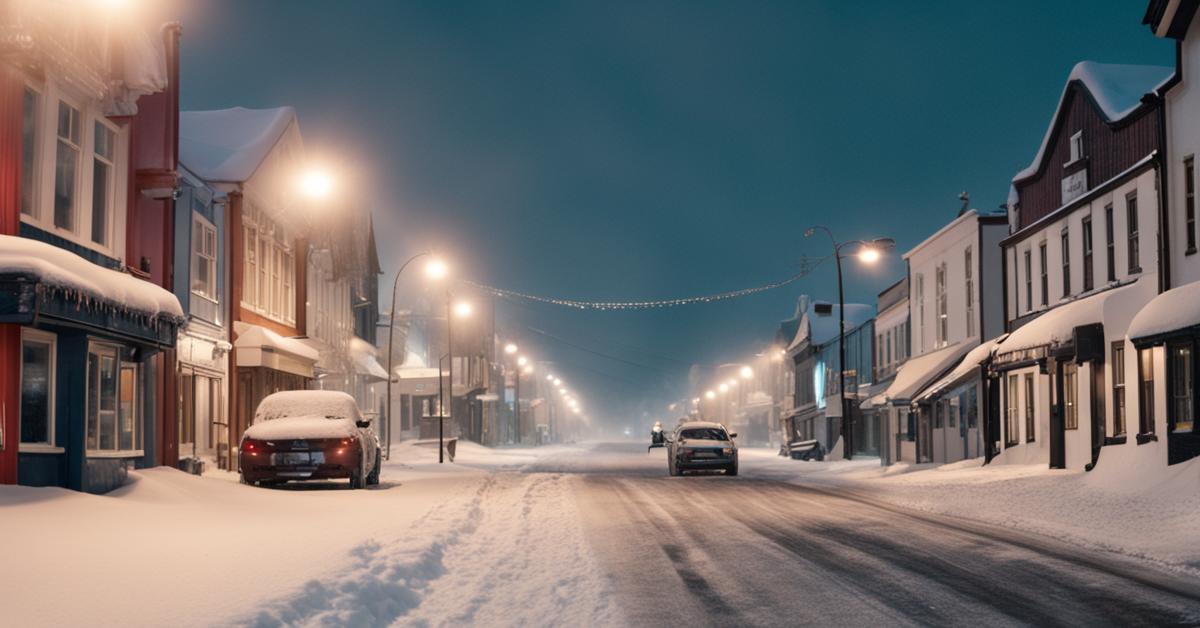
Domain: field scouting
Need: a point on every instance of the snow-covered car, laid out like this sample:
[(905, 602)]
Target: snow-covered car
[(309, 435), (700, 445)]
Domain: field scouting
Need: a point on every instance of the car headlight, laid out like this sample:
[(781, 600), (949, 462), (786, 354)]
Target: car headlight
[(728, 451)]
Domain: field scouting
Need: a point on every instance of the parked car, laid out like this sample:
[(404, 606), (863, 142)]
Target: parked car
[(309, 435), (700, 445)]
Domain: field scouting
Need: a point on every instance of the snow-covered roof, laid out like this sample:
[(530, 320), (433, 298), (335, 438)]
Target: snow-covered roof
[(229, 144), (1117, 90), (255, 336), (1170, 311), (362, 354), (919, 371), (970, 362), (63, 269), (1058, 325), (819, 329)]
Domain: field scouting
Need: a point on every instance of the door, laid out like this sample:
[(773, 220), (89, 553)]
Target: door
[(1058, 432)]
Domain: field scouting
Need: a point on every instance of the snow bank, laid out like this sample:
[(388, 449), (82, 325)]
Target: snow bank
[(67, 271), (229, 144), (307, 403)]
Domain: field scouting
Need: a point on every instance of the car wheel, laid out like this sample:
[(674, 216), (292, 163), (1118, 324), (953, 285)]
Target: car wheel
[(356, 477), (731, 469), (242, 478), (373, 477)]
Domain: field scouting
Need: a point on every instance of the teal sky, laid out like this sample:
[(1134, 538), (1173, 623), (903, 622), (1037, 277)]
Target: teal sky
[(615, 150)]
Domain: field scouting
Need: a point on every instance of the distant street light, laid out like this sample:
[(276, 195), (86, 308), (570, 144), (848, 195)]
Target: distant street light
[(510, 348), (435, 269), (522, 361), (724, 388), (869, 252), (710, 395), (316, 184), (746, 372), (463, 309)]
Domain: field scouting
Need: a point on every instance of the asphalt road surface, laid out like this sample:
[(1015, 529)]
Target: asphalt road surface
[(711, 550)]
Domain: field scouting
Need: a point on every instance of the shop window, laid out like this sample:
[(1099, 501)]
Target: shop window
[(1011, 427), (113, 402), (1182, 407), (1070, 396), (37, 388), (1118, 385), (1146, 391), (1030, 432)]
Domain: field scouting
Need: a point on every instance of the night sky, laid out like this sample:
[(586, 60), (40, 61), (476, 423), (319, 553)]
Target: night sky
[(644, 150)]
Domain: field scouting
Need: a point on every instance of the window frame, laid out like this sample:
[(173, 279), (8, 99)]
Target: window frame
[(1189, 203), (1065, 246), (1174, 388), (1076, 147), (1030, 408), (1119, 390), (116, 352), (1133, 233), (1089, 279), (50, 445), (267, 254), (1110, 245), (969, 284), (941, 305), (1012, 391), (80, 148), (110, 190), (1070, 401), (1045, 273), (32, 187), (1028, 280), (202, 227), (1145, 373)]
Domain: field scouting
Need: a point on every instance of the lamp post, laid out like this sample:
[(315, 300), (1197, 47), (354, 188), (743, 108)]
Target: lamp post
[(869, 252), (436, 270), (462, 309)]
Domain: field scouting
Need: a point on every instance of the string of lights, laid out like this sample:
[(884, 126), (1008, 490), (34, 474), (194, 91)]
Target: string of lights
[(806, 267)]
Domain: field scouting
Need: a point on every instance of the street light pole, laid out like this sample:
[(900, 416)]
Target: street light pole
[(391, 348), (517, 406), (448, 411)]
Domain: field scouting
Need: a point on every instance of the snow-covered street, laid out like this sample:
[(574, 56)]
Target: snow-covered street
[(593, 534)]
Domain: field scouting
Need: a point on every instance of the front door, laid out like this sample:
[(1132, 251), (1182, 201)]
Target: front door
[(1058, 432)]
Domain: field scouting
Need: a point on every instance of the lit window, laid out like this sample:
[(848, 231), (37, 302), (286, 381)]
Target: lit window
[(1077, 146), (37, 387), (1070, 396), (102, 182), (113, 402), (66, 166), (204, 258)]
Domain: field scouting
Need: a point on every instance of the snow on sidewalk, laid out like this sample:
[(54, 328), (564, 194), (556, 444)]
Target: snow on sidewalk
[(1132, 509)]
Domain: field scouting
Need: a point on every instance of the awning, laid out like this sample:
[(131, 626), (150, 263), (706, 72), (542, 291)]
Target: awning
[(969, 364), (1113, 308), (1174, 312), (259, 346), (918, 372), (362, 355), (418, 381), (39, 280)]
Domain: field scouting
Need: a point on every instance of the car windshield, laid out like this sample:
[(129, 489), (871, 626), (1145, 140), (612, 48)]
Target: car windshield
[(703, 433)]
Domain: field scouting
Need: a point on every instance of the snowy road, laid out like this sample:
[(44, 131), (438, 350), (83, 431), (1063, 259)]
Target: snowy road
[(746, 551)]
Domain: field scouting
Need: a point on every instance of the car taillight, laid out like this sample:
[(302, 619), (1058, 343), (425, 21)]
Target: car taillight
[(252, 447)]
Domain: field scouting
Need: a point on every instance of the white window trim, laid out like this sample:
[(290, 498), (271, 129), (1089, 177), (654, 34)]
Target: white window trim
[(37, 335), (139, 431), (259, 300), (115, 166), (206, 224), (1076, 140), (46, 156)]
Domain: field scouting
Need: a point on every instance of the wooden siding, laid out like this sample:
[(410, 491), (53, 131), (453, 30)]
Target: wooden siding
[(1109, 149), (10, 335)]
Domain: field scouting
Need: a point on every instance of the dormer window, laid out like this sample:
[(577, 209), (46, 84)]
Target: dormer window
[(1076, 147)]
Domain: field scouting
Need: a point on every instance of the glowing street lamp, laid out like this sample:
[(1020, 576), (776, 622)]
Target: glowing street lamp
[(316, 184), (463, 309), (746, 372), (710, 395), (724, 388), (510, 348), (522, 361), (436, 269)]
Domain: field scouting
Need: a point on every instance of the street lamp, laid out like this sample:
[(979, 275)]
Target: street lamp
[(869, 252), (435, 269), (462, 309), (510, 348), (746, 372), (316, 184)]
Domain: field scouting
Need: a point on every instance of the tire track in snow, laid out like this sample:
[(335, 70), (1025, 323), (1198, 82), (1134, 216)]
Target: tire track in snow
[(386, 579)]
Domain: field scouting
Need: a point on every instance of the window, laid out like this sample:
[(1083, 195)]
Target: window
[(921, 307), (113, 402), (66, 166), (269, 273), (971, 404), (1011, 427), (938, 409), (1076, 146), (889, 346), (1087, 254), (102, 181), (1066, 262), (1146, 391), (1110, 248), (1131, 215), (1189, 203), (1070, 396), (1118, 384), (952, 409), (1030, 432), (37, 387), (1045, 273), (1028, 282), (969, 273), (204, 258), (1182, 417), (943, 315), (30, 123)]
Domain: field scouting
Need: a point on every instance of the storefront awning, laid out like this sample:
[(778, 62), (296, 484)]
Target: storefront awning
[(1174, 312), (1113, 308), (259, 346), (39, 280), (417, 381), (915, 374), (969, 364), (362, 355)]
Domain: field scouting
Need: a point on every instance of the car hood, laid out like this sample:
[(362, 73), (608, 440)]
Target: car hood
[(302, 427)]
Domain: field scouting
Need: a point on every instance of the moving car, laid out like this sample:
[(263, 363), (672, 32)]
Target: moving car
[(309, 435), (700, 445)]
